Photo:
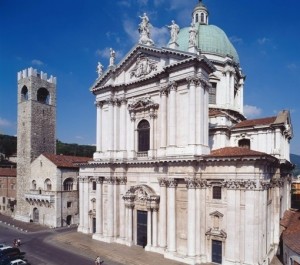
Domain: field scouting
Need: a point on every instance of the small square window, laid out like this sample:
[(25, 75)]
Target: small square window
[(69, 204), (217, 192)]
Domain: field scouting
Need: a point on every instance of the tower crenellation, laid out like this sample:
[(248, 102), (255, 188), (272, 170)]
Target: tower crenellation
[(33, 72)]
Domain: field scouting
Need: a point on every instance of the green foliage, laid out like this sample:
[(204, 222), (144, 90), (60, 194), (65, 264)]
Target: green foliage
[(8, 146), (74, 149)]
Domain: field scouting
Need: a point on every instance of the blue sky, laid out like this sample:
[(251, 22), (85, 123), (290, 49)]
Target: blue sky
[(67, 38)]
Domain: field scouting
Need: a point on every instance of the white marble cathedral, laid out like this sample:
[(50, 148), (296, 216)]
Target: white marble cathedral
[(178, 169)]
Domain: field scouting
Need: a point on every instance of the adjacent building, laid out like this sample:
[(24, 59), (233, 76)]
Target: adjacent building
[(179, 170), (8, 188)]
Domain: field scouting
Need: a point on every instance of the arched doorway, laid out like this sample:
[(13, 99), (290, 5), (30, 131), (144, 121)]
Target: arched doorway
[(142, 204), (35, 215)]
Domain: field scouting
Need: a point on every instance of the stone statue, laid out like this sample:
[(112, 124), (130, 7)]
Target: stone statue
[(193, 35), (174, 28), (112, 57), (99, 69), (144, 30)]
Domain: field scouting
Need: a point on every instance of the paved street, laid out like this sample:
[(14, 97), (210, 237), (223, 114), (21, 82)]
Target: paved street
[(64, 246)]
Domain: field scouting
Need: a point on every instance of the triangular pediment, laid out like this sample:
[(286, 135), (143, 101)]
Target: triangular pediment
[(141, 63)]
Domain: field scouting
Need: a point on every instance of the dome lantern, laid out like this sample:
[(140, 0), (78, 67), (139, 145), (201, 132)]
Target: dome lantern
[(200, 14)]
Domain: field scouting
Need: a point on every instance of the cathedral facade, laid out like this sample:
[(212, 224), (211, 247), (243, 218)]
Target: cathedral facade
[(178, 169)]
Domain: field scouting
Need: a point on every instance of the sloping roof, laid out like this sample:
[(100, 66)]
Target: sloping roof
[(66, 161), (8, 172), (235, 152), (291, 236), (256, 122)]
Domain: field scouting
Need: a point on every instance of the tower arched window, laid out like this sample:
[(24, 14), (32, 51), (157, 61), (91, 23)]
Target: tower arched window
[(143, 136), (24, 93), (245, 143), (197, 18), (43, 95), (33, 185), (47, 184)]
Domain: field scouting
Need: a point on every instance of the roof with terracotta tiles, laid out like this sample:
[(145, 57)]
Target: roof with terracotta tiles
[(215, 112), (66, 161), (8, 172), (235, 152), (256, 122), (291, 236)]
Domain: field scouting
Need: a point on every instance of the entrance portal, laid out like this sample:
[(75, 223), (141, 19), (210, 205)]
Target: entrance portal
[(35, 215), (142, 228), (216, 250)]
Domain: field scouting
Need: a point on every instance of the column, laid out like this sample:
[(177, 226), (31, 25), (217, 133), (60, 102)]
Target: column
[(81, 203), (111, 124), (129, 203), (122, 221), (198, 223), (163, 213), (99, 207), (172, 184), (86, 227), (172, 114), (149, 226), (123, 129), (110, 206), (116, 125), (228, 88), (99, 127), (192, 110), (191, 240), (163, 118), (132, 135), (130, 224), (154, 226), (205, 92)]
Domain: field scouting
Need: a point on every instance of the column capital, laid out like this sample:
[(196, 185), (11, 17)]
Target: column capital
[(164, 90), (193, 80), (99, 104), (191, 183), (172, 183), (122, 180), (110, 101), (129, 200), (162, 182), (173, 86), (132, 116), (99, 180), (110, 180), (123, 100)]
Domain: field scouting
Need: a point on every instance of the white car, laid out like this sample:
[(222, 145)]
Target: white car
[(18, 262)]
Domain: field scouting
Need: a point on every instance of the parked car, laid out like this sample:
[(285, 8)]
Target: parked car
[(10, 260), (18, 262), (12, 253)]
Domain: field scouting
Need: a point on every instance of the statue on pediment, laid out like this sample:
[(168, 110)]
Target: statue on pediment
[(144, 30), (112, 57), (99, 69), (174, 30)]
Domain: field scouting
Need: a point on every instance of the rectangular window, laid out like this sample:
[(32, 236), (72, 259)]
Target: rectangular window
[(94, 185), (213, 93), (217, 192), (69, 204), (3, 199)]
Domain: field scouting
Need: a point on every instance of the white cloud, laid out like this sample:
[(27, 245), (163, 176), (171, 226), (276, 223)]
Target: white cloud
[(131, 29), (125, 3), (37, 62), (160, 36), (252, 111), (5, 123), (262, 41), (142, 2), (292, 66), (235, 39)]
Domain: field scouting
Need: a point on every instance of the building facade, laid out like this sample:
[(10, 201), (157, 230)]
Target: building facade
[(178, 168), (8, 187), (52, 198)]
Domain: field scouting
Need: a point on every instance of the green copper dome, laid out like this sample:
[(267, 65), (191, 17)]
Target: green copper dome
[(210, 39)]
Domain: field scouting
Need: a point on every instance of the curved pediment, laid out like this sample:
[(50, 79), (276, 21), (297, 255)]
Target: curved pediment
[(142, 104)]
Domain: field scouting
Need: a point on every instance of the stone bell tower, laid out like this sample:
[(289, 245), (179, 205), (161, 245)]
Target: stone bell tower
[(36, 129)]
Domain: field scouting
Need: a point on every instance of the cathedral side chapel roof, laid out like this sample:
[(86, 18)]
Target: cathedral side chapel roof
[(66, 161), (8, 172), (256, 122), (235, 152)]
